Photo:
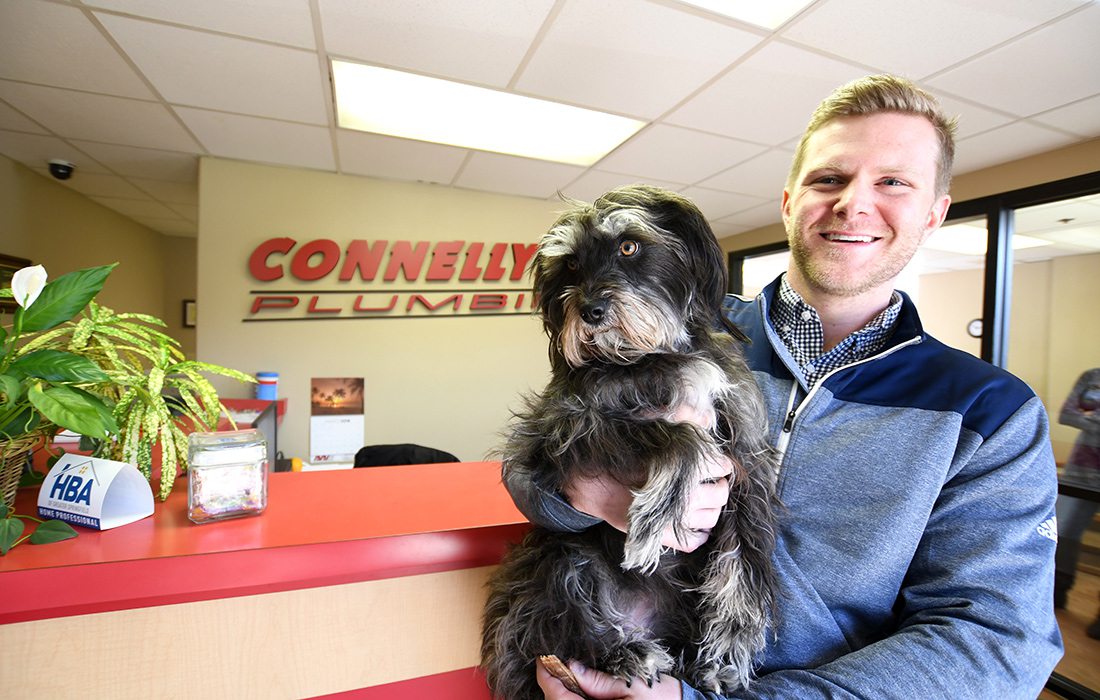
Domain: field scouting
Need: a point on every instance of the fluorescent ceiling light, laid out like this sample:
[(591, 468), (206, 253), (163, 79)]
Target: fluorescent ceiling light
[(395, 103), (768, 14), (967, 239)]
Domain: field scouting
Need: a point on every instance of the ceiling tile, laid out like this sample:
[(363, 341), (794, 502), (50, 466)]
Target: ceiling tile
[(512, 175), (187, 211), (281, 21), (1049, 217), (1017, 140), (936, 34), (781, 81), (173, 227), (726, 230), (144, 162), (260, 140), (51, 44), (135, 208), (603, 54), (1017, 77), (481, 41), (762, 215), (199, 69), (763, 176), (716, 204), (678, 155), (11, 119), (35, 151), (169, 192), (1081, 118), (594, 183), (972, 119), (81, 115), (99, 185), (398, 159)]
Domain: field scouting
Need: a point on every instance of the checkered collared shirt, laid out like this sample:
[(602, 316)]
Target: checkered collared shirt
[(798, 324)]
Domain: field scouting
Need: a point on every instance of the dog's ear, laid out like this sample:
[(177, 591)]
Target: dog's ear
[(679, 216)]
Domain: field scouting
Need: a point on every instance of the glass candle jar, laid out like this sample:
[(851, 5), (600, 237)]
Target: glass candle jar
[(227, 477)]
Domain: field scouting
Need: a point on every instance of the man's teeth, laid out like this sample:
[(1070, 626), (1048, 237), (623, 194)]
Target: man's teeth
[(848, 238)]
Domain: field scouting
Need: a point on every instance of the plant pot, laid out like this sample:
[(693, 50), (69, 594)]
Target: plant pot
[(14, 453)]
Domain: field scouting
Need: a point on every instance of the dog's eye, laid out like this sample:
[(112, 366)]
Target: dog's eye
[(572, 264), (628, 248)]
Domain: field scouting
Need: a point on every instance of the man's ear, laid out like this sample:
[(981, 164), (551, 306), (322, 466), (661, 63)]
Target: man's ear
[(936, 216), (785, 207)]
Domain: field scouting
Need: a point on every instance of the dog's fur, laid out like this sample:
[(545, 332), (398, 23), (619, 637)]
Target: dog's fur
[(630, 292)]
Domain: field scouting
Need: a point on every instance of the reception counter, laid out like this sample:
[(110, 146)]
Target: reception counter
[(364, 583)]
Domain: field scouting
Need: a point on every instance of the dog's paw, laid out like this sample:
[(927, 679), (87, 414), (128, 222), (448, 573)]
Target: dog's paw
[(644, 661)]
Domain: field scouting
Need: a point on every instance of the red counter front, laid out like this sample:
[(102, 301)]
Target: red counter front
[(361, 583)]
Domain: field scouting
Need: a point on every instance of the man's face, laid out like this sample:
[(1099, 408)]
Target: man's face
[(862, 203)]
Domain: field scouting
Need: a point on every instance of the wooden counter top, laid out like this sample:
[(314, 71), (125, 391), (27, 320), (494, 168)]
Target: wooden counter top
[(319, 529)]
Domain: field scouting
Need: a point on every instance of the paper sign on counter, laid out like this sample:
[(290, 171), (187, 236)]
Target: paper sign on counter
[(94, 493)]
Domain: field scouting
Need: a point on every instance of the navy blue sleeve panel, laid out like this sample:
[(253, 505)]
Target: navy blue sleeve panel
[(930, 375)]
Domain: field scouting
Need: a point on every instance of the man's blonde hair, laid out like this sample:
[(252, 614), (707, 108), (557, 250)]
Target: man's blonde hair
[(883, 93)]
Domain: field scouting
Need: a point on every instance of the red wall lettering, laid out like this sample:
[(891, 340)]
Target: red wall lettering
[(363, 259), (301, 266), (257, 262)]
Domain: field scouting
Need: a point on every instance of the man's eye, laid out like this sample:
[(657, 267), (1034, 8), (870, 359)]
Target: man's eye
[(628, 248), (893, 182)]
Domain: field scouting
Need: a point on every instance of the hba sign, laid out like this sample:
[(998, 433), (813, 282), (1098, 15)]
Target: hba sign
[(320, 279)]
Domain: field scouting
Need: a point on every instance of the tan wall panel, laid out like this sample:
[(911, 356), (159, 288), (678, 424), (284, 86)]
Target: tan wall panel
[(279, 645), (62, 229), (448, 383)]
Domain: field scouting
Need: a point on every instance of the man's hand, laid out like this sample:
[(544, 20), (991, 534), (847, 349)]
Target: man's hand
[(610, 500), (600, 686)]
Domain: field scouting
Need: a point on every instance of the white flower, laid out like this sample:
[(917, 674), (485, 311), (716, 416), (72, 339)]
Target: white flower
[(27, 284)]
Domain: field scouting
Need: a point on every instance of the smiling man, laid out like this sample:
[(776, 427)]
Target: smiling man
[(916, 544)]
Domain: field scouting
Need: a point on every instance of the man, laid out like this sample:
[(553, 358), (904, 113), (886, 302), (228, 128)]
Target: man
[(916, 545)]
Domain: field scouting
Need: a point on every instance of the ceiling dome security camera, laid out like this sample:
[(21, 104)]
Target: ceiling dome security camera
[(61, 169)]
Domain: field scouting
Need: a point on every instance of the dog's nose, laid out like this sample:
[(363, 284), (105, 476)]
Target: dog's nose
[(593, 312)]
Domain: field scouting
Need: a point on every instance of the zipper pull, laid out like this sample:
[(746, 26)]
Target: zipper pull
[(789, 423)]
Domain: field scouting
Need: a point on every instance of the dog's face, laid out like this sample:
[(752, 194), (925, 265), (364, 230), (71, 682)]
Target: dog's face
[(630, 275)]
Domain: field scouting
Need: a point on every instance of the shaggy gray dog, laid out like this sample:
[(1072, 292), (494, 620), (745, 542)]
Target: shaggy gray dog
[(630, 292)]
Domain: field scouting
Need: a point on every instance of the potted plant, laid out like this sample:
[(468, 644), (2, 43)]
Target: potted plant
[(67, 362)]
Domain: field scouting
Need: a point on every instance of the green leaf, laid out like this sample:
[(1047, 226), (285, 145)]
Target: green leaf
[(10, 530), (21, 423), (52, 531), (3, 509), (32, 478), (105, 411), (69, 409), (58, 366), (10, 387), (65, 297)]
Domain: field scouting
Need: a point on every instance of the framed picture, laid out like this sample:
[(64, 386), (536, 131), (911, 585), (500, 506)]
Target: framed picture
[(9, 265), (190, 313)]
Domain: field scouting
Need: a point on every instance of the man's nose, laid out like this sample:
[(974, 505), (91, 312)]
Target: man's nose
[(854, 199)]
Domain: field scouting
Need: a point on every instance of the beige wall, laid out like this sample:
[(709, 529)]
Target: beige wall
[(57, 227), (1073, 339), (180, 278), (447, 383), (948, 301)]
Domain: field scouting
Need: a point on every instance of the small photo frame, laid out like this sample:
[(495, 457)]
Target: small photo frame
[(190, 313), (9, 265)]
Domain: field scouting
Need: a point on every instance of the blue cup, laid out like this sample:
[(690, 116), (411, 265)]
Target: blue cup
[(267, 386)]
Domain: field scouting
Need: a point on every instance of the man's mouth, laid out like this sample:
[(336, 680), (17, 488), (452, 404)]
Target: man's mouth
[(848, 237)]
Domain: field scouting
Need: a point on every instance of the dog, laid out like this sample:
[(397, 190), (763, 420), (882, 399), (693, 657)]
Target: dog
[(630, 291)]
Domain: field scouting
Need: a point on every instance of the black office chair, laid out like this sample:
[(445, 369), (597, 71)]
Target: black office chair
[(389, 455)]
